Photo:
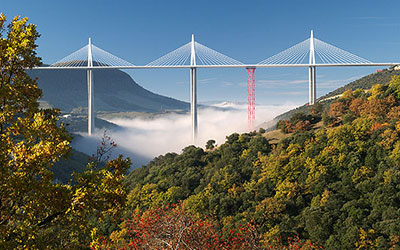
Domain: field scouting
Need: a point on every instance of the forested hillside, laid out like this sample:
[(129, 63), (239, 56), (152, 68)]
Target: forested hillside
[(365, 82), (336, 186)]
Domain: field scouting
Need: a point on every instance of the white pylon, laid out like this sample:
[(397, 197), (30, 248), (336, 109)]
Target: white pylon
[(312, 72), (193, 90), (90, 90)]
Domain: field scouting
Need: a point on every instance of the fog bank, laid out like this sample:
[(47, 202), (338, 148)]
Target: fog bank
[(172, 132)]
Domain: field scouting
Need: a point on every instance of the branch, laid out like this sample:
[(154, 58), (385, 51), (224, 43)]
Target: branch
[(49, 219)]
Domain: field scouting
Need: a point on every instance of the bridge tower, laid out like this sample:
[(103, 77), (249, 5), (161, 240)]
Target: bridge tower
[(90, 90), (251, 115), (193, 90), (312, 72)]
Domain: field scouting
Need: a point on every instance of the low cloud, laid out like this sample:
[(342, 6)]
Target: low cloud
[(172, 132)]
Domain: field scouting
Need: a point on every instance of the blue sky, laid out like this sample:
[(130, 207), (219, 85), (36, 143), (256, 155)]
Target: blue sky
[(249, 31)]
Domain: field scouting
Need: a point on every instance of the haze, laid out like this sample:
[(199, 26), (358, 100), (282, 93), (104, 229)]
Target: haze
[(145, 139)]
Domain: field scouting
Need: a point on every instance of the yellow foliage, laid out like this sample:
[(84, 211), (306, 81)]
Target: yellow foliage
[(250, 186), (287, 189), (146, 196), (366, 240), (271, 237), (394, 242), (244, 154), (324, 197), (389, 137), (376, 90), (293, 150), (348, 94), (394, 84), (361, 127), (316, 201), (361, 173), (270, 209), (272, 166), (387, 176), (234, 191), (315, 172), (199, 202)]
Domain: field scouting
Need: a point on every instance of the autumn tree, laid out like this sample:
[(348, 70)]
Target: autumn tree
[(337, 109), (356, 106), (300, 121), (30, 140), (36, 213), (171, 227)]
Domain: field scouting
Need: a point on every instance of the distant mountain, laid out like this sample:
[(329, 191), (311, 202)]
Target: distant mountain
[(114, 90)]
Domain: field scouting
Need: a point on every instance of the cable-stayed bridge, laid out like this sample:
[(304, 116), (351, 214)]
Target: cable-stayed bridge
[(311, 53)]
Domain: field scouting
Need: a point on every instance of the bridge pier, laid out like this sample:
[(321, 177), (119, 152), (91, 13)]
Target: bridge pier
[(193, 103), (312, 85), (90, 102)]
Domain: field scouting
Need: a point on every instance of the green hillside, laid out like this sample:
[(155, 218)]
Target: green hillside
[(78, 123), (76, 162), (365, 82), (337, 183)]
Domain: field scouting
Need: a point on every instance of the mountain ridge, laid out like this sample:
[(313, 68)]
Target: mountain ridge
[(114, 90)]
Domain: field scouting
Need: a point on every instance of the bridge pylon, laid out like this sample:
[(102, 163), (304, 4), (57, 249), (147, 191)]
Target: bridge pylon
[(312, 72), (193, 90), (90, 90)]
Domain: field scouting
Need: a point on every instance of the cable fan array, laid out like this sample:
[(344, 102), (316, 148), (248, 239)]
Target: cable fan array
[(204, 56), (100, 58), (325, 54), (298, 54)]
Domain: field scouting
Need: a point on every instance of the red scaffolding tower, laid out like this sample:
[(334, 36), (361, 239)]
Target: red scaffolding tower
[(251, 97)]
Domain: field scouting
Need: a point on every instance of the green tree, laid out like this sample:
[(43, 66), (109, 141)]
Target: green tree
[(210, 144)]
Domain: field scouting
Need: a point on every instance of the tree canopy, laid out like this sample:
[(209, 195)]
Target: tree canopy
[(336, 184), (35, 212)]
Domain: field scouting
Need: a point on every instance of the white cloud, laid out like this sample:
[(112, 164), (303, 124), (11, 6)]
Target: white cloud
[(171, 133), (225, 83), (294, 93), (279, 82), (207, 80), (328, 84)]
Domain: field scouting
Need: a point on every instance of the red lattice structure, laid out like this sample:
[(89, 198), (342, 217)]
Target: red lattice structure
[(251, 97)]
